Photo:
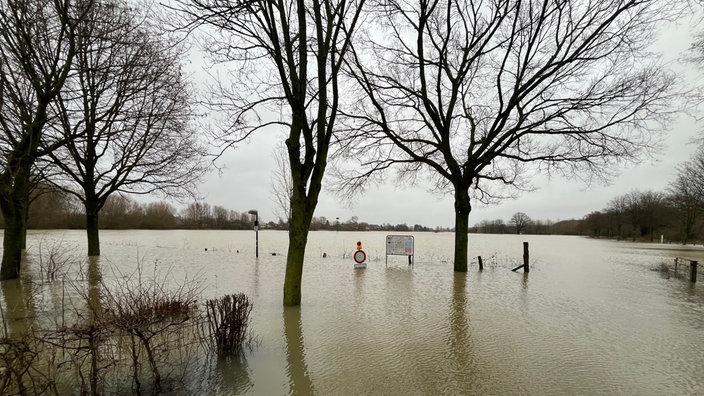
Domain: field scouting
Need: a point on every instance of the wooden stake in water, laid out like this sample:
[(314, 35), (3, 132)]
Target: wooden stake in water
[(526, 258)]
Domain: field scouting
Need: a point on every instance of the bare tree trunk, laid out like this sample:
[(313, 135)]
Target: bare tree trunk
[(92, 229), (297, 240), (14, 199), (25, 220), (12, 245), (462, 208)]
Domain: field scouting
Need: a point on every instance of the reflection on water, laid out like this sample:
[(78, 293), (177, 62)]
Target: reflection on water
[(18, 308), (298, 378), (94, 280), (590, 318), (232, 375), (459, 339)]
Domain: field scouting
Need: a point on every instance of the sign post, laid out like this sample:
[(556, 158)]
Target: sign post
[(400, 245), (256, 231), (359, 257)]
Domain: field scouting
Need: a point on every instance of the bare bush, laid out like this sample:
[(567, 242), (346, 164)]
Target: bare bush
[(137, 333), (54, 259), (228, 323), (147, 309), (18, 367)]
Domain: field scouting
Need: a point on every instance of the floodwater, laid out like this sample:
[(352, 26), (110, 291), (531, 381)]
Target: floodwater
[(591, 317)]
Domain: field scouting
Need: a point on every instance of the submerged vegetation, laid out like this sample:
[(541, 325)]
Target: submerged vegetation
[(137, 333)]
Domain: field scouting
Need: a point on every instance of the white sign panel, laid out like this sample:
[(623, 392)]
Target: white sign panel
[(399, 245)]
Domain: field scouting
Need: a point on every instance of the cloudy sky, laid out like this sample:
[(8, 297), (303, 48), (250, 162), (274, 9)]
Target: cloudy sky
[(245, 182)]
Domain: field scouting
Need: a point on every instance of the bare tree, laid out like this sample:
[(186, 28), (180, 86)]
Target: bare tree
[(687, 193), (519, 221), (653, 212), (129, 102), (286, 57), (617, 209), (687, 203), (36, 52), (281, 186), (483, 95)]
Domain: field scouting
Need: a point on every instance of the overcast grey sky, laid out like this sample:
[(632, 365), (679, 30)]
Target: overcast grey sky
[(246, 178)]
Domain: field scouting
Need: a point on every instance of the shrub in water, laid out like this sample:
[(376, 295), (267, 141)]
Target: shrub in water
[(228, 321)]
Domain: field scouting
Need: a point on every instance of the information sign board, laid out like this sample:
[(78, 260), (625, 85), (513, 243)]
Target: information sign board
[(400, 245)]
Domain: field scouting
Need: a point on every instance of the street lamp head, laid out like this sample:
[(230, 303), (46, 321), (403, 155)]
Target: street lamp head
[(256, 218)]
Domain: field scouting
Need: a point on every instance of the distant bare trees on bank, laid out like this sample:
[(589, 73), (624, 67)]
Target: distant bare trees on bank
[(51, 209), (637, 215)]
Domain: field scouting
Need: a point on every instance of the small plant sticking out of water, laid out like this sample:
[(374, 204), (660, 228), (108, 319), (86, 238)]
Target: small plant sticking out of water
[(228, 323), (54, 259)]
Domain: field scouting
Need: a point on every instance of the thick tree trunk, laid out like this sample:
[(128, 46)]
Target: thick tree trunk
[(25, 221), (297, 240), (462, 208), (14, 199), (92, 229), (12, 247)]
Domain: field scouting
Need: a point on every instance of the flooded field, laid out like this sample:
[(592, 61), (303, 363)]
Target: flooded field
[(592, 316)]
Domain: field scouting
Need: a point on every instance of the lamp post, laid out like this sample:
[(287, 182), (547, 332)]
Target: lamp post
[(256, 231)]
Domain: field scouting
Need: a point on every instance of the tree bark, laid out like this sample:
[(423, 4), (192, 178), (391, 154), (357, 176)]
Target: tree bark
[(14, 200), (463, 207), (12, 245), (297, 241), (25, 220), (92, 229)]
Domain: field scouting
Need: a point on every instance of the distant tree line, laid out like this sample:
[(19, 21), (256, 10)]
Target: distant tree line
[(58, 210), (353, 224), (676, 215), (521, 223), (51, 208), (637, 215)]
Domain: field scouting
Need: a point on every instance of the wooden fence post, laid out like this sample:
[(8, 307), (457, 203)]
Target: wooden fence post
[(693, 271), (481, 265), (526, 256)]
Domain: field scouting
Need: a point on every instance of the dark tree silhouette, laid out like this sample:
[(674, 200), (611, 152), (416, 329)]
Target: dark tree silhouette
[(130, 103), (484, 95), (520, 221), (285, 57), (687, 194), (37, 49)]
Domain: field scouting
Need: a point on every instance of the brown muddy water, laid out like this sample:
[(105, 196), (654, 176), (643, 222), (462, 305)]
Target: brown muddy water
[(591, 317)]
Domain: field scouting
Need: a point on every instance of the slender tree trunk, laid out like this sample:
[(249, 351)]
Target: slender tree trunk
[(92, 229), (462, 208), (297, 241)]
